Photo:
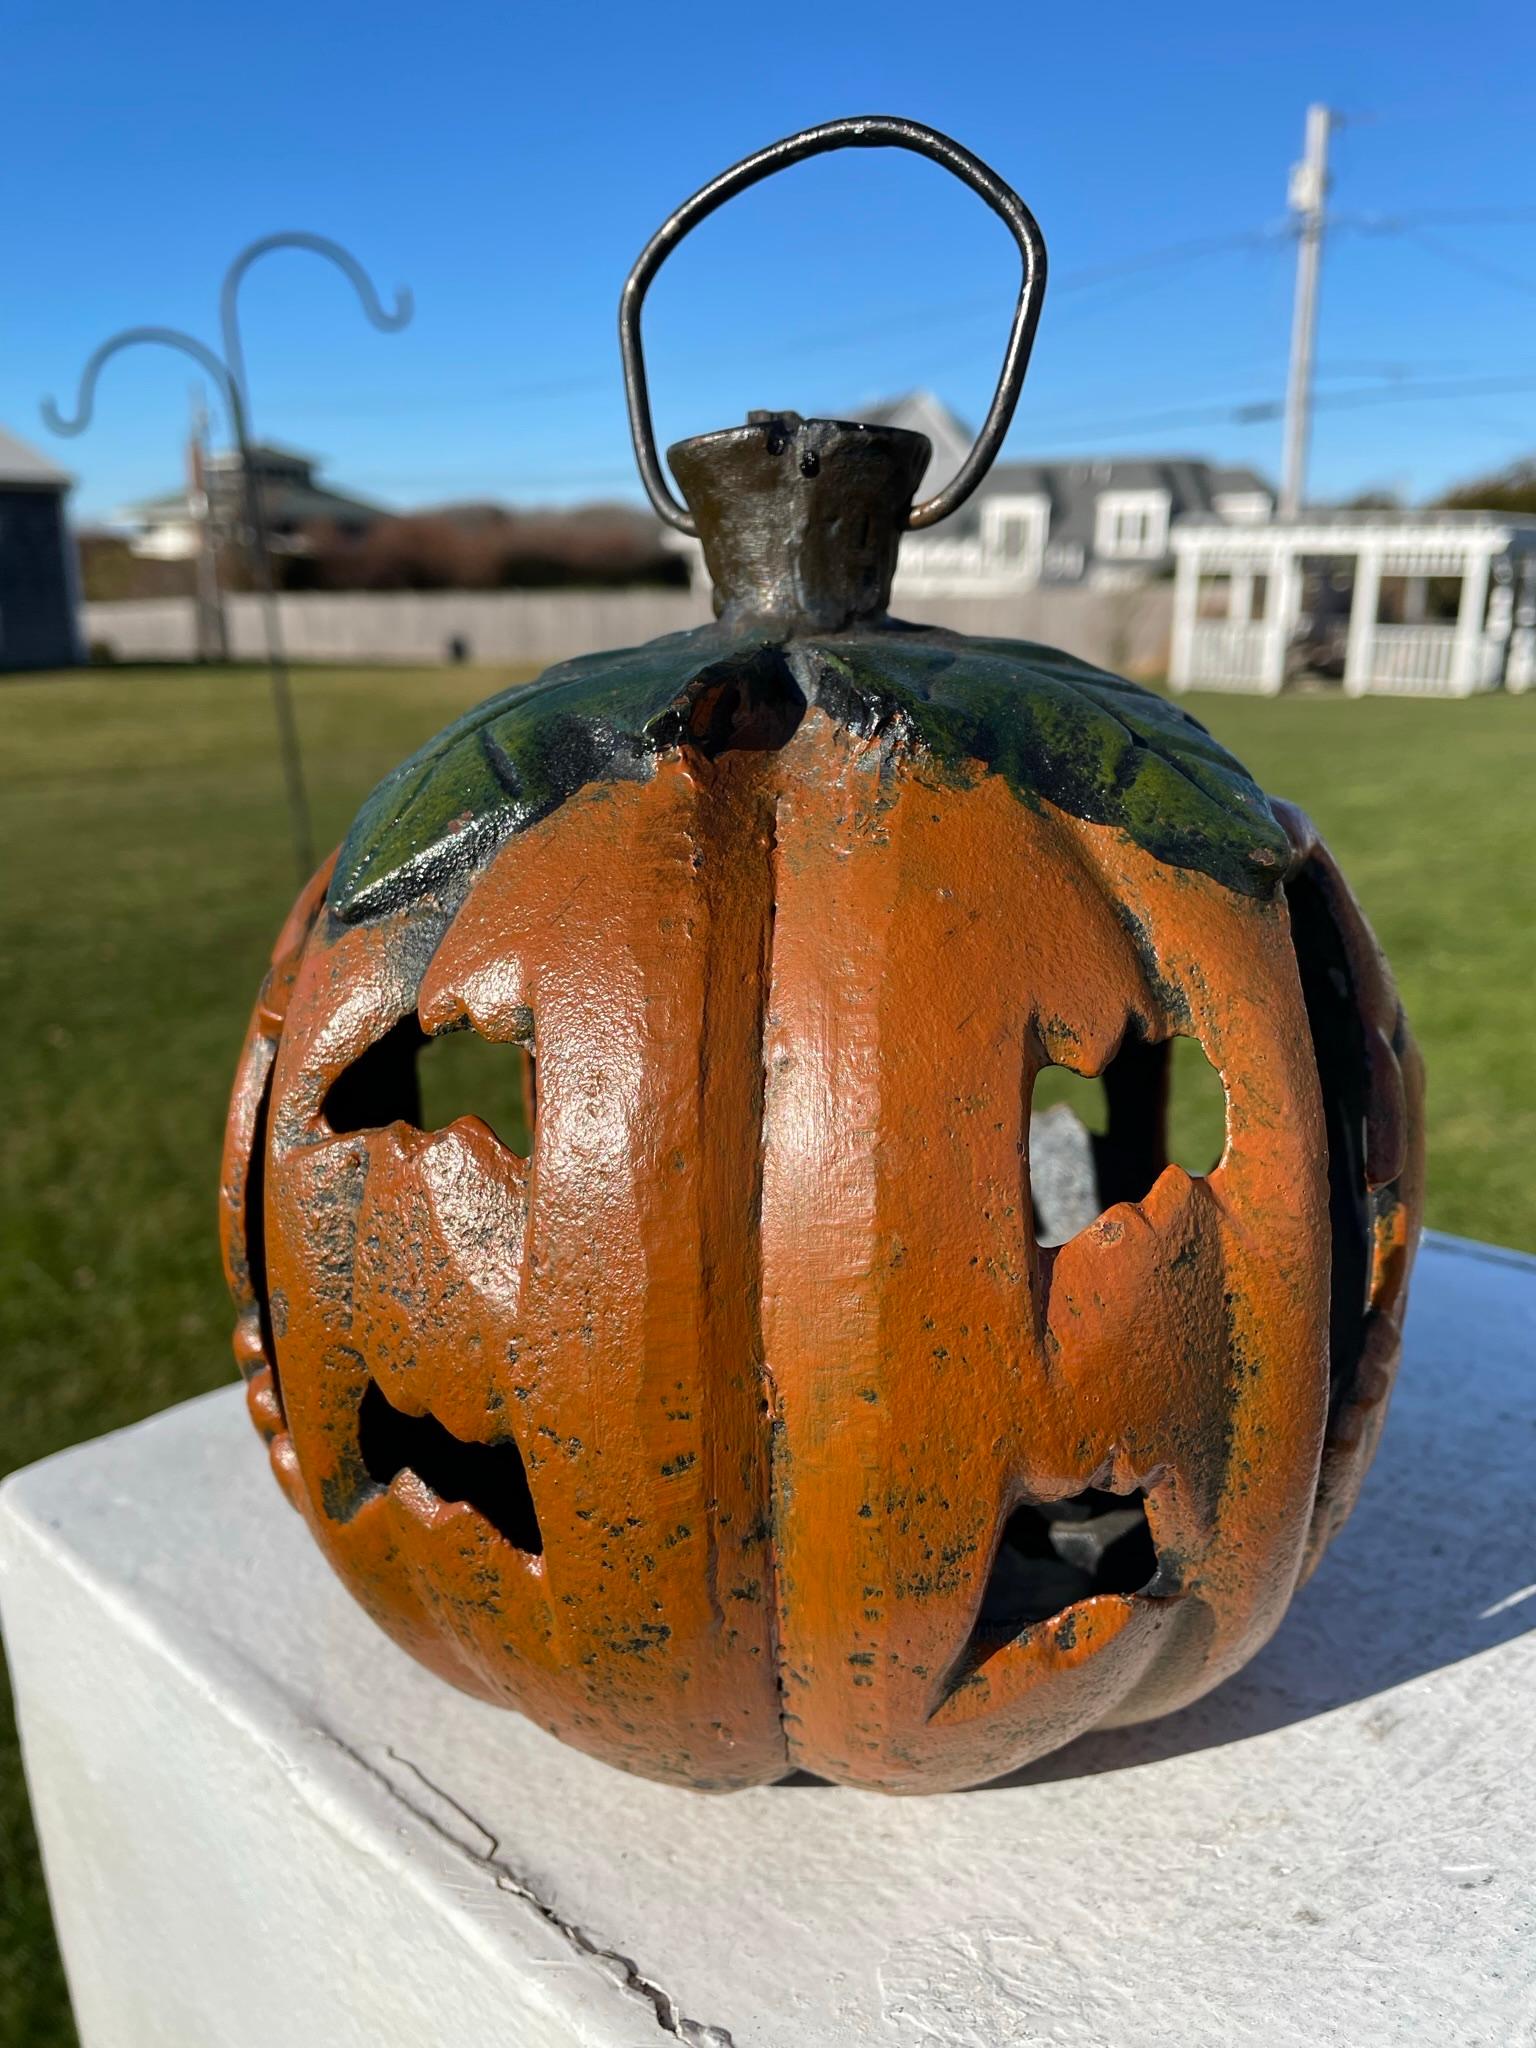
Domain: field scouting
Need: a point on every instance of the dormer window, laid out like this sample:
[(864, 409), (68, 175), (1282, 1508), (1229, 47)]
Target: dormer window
[(1131, 526), (1013, 530)]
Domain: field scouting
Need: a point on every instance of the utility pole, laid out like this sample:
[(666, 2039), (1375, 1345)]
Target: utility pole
[(1308, 200), (212, 640)]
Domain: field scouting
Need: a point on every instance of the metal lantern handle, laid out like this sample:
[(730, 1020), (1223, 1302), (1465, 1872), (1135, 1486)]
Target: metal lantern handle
[(864, 131)]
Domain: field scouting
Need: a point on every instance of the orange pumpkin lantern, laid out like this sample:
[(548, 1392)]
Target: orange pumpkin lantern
[(720, 1408)]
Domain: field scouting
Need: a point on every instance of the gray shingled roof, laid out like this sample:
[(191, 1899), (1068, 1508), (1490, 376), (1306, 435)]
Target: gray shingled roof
[(1072, 487), (289, 494), (1236, 478), (21, 464), (273, 456)]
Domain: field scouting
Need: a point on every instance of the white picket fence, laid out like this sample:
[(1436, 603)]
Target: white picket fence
[(1228, 654), (1413, 661), (1126, 631)]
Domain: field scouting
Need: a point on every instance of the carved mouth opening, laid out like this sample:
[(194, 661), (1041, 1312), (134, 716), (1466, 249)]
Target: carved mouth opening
[(1055, 1553), (490, 1478)]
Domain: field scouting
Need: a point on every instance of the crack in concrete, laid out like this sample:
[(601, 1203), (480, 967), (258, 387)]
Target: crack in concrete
[(621, 1969)]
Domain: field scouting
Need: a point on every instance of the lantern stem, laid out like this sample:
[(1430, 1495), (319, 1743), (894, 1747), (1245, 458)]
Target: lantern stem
[(800, 520)]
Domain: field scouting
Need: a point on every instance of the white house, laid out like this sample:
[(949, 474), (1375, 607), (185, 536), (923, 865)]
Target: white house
[(1098, 520), (1427, 604), (1101, 520), (166, 528)]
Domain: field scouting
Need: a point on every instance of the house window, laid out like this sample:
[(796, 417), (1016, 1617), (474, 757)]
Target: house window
[(1131, 526), (1129, 530), (1013, 532), (1065, 560)]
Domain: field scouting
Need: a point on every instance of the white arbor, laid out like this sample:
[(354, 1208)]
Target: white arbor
[(1426, 604)]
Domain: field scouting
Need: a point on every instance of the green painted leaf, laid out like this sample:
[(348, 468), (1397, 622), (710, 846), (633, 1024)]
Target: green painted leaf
[(1056, 728), (511, 761), (1053, 727)]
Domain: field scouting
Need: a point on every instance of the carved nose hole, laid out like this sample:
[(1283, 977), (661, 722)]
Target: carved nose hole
[(1095, 1140), (490, 1478), (429, 1083)]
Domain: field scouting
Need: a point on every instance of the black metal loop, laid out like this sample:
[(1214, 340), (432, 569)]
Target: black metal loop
[(317, 245), (138, 337), (865, 131)]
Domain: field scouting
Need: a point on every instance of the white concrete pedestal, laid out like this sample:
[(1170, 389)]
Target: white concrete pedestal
[(265, 1828)]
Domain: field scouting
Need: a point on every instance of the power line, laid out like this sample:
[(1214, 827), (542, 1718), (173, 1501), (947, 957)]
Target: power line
[(897, 320), (1270, 236), (1434, 217), (1464, 259), (1091, 288), (1251, 412), (1470, 387), (1245, 411), (1239, 412), (1230, 412)]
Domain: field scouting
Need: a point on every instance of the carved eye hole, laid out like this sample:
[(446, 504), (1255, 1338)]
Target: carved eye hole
[(1101, 1140), (407, 1077)]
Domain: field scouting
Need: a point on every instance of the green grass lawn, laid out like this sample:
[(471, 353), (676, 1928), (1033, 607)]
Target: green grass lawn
[(142, 841)]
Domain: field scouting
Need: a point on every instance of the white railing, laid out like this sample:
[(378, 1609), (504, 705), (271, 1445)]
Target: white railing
[(1520, 675), (1413, 661), (934, 566), (1227, 653), (1423, 661), (927, 553)]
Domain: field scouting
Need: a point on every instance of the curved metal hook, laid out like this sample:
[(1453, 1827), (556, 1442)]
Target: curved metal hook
[(228, 388), (317, 245), (863, 131), (132, 337)]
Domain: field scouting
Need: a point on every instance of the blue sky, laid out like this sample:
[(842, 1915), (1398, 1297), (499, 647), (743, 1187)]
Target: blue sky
[(507, 161)]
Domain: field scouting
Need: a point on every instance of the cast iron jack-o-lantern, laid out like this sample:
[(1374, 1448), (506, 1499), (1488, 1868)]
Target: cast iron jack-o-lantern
[(720, 1409)]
